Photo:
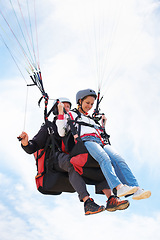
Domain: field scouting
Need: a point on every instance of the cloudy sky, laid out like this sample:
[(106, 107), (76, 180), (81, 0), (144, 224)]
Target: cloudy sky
[(82, 44)]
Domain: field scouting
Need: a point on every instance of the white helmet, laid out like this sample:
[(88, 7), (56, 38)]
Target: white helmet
[(55, 103), (63, 99)]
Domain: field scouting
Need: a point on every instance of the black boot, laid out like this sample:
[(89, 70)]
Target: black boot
[(90, 207)]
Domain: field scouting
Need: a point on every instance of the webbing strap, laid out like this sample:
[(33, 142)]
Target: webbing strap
[(86, 124), (97, 128)]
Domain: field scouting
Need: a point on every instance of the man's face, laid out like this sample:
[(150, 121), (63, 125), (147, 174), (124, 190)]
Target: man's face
[(66, 106)]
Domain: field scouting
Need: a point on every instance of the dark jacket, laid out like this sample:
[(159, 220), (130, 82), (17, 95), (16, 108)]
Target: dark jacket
[(40, 139)]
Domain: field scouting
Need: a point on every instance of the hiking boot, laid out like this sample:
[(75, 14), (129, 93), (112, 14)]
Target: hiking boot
[(141, 194), (114, 203), (125, 190), (90, 207)]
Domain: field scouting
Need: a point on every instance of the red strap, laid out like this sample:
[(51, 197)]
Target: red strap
[(90, 134), (71, 115), (63, 147), (99, 135)]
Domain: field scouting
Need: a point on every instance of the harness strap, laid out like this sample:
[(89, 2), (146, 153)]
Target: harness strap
[(86, 124), (90, 134), (70, 114), (99, 135), (50, 140), (97, 128), (39, 156), (72, 126), (39, 175)]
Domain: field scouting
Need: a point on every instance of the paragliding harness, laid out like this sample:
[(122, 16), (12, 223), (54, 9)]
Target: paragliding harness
[(80, 157), (49, 180), (53, 182), (104, 137)]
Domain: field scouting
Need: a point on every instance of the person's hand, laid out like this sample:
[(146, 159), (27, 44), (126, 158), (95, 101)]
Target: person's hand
[(104, 120), (60, 108), (24, 138)]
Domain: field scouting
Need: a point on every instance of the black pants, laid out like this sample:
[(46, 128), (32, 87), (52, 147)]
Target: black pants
[(77, 181)]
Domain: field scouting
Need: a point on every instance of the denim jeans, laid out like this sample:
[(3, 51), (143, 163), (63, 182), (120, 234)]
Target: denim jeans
[(113, 166)]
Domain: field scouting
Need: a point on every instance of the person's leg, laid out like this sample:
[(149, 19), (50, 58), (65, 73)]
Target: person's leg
[(75, 179), (97, 152), (90, 207), (125, 174), (122, 170)]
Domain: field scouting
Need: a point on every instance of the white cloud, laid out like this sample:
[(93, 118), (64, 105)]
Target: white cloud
[(28, 215)]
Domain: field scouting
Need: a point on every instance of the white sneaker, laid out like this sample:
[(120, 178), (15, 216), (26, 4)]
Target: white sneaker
[(126, 190), (141, 194)]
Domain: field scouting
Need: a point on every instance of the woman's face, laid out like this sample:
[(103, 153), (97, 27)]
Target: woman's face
[(87, 103)]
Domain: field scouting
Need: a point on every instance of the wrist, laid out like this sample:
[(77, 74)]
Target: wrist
[(60, 116), (24, 144)]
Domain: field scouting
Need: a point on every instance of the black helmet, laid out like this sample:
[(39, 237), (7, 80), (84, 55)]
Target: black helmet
[(84, 93), (55, 104)]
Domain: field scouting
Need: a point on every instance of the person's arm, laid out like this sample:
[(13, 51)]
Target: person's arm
[(38, 141), (31, 147), (61, 120), (28, 146)]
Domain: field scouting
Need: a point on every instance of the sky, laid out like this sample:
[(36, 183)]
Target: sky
[(82, 44)]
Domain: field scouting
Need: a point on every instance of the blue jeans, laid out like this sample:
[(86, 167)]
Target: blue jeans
[(113, 166)]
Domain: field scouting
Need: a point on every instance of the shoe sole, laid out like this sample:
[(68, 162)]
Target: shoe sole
[(131, 191), (120, 207), (144, 195), (89, 212)]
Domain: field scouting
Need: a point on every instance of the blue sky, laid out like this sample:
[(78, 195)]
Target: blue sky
[(76, 39)]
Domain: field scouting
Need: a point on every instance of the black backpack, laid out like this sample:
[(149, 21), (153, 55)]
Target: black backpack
[(48, 180)]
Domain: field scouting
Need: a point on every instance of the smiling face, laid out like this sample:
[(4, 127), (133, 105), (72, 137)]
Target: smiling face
[(67, 106), (87, 103)]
